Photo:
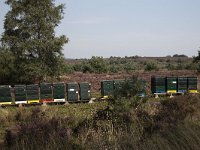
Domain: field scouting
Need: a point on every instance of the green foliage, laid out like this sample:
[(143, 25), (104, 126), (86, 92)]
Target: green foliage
[(114, 69), (198, 67), (170, 66), (7, 66), (129, 67), (181, 66), (130, 88), (169, 114), (151, 66), (190, 66), (131, 64), (78, 67), (98, 64), (68, 69), (87, 68), (29, 35)]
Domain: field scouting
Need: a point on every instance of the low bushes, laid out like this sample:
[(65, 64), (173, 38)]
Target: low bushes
[(123, 124)]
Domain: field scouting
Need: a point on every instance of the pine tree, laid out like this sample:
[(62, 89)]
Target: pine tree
[(30, 35)]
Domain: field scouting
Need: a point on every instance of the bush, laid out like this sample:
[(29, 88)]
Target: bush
[(129, 67), (39, 132), (126, 123), (113, 69), (87, 68), (151, 66), (98, 64), (130, 88), (68, 69), (170, 66), (190, 66), (78, 67), (198, 67)]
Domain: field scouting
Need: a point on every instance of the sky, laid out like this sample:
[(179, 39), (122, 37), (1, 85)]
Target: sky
[(128, 27)]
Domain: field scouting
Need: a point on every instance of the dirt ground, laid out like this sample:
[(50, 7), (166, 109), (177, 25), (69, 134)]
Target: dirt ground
[(95, 79)]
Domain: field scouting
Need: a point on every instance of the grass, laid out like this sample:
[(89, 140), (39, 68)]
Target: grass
[(10, 117), (118, 124)]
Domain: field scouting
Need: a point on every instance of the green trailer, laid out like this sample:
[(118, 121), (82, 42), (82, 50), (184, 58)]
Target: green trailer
[(5, 94), (85, 91), (20, 94), (59, 92), (107, 88), (72, 92)]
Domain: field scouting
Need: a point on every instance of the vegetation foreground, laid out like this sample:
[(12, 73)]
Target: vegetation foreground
[(118, 124)]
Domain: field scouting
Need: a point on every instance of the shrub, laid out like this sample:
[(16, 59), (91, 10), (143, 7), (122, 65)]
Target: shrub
[(78, 67), (39, 132), (198, 67), (87, 68), (151, 66), (190, 66), (130, 88), (98, 64), (170, 113), (170, 66), (129, 67), (113, 69), (68, 69)]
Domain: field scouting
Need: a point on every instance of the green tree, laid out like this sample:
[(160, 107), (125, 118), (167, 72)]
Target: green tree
[(98, 64), (30, 36), (129, 67), (6, 66), (151, 66)]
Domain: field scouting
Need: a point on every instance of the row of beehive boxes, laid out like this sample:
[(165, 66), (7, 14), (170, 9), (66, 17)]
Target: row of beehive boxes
[(109, 87), (45, 92), (174, 84)]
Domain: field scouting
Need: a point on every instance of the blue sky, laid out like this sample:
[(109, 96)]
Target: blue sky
[(128, 27)]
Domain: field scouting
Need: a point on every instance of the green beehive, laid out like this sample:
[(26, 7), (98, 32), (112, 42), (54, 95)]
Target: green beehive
[(171, 84), (72, 92), (85, 91), (5, 94), (158, 84), (118, 84), (32, 93), (192, 85), (182, 84), (136, 87), (46, 92), (107, 88), (142, 84), (59, 91), (20, 93)]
